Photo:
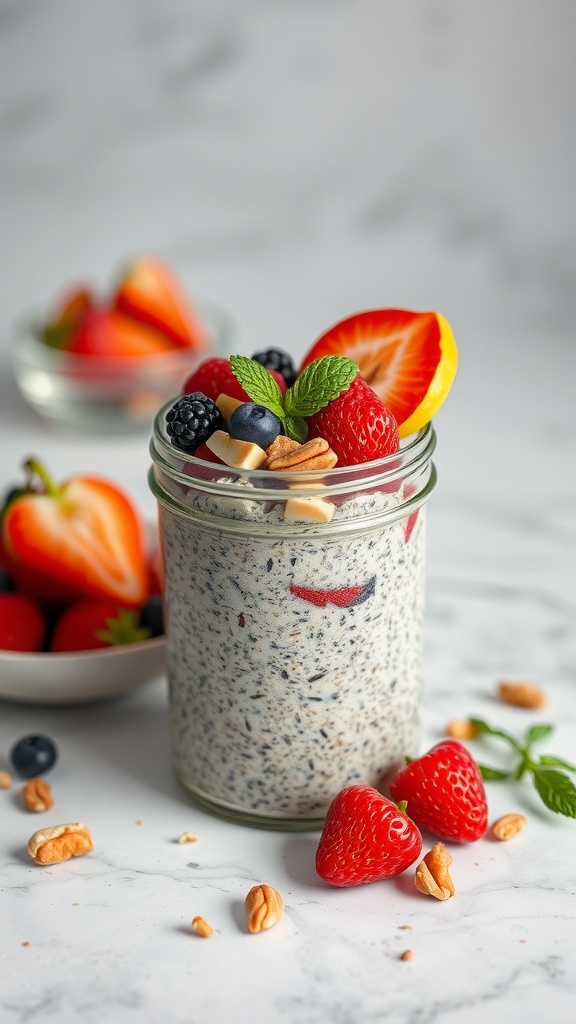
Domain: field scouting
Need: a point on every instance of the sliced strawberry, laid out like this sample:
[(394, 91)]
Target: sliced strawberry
[(365, 838), (344, 597), (66, 315), (109, 334), (408, 358), (90, 625), (84, 534), (150, 294), (49, 591), (357, 426), (22, 624), (214, 377)]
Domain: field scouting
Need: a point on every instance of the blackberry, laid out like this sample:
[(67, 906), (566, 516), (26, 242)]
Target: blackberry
[(276, 359), (191, 421)]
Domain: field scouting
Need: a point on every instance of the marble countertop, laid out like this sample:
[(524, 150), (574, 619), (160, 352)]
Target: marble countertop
[(298, 162)]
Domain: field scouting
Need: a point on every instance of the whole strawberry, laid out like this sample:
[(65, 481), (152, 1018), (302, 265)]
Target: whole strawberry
[(445, 793), (22, 624), (214, 377), (89, 625), (357, 425), (365, 838)]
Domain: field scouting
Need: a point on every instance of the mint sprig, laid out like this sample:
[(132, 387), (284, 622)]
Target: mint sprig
[(318, 384), (556, 789)]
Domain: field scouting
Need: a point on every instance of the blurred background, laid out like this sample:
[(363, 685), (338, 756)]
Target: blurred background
[(297, 161)]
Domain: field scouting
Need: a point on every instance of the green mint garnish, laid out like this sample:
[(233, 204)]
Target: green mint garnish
[(318, 384), (554, 787)]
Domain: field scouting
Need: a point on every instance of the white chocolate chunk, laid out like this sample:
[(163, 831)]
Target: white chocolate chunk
[(226, 404), (316, 510), (239, 454)]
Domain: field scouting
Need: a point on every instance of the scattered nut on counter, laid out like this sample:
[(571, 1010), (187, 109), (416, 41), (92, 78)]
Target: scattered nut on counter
[(187, 837), (522, 695), (201, 927), (59, 843), (37, 795), (508, 826), (432, 875), (461, 729), (5, 780), (264, 906), (407, 955)]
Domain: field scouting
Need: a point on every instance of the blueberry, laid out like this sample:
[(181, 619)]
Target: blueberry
[(255, 423), (33, 755), (152, 615)]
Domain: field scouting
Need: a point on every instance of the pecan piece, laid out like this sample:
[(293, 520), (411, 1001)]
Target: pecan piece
[(264, 906), (461, 729), (508, 825), (53, 845), (314, 454), (281, 445), (201, 927), (522, 695), (432, 875), (37, 795)]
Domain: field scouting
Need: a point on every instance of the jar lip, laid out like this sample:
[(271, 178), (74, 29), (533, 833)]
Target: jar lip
[(414, 451)]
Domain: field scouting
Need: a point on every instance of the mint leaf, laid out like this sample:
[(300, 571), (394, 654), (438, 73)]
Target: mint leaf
[(556, 762), (492, 774), (259, 383), (321, 381), (557, 791), (538, 732), (296, 428)]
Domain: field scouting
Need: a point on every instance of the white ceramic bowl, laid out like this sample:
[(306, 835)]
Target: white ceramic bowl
[(80, 676), (109, 396)]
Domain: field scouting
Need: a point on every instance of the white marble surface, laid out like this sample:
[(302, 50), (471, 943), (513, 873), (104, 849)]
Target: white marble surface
[(297, 162)]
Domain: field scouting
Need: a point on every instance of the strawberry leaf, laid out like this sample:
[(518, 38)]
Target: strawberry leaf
[(538, 732), (321, 381), (492, 774), (557, 791), (259, 383), (556, 762)]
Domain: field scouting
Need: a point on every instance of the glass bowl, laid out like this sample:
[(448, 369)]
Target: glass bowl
[(109, 396)]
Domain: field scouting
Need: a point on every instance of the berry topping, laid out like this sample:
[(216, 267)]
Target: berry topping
[(357, 426), (214, 377), (276, 359), (33, 755), (191, 421), (365, 837), (445, 793), (408, 358), (255, 423), (22, 624)]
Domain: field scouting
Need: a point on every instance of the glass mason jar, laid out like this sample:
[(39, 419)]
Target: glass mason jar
[(294, 647)]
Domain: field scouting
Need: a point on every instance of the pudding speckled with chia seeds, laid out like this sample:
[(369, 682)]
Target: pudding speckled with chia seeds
[(294, 662)]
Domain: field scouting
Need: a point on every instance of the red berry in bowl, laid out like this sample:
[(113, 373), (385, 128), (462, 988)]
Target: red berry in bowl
[(22, 624), (357, 425), (90, 625)]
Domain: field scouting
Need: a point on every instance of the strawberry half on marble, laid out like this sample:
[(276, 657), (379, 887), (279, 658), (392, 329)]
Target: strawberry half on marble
[(84, 535)]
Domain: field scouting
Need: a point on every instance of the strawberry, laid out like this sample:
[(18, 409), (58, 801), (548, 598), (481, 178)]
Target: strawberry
[(83, 534), (109, 334), (357, 425), (445, 792), (22, 624), (46, 590), (66, 315), (214, 377), (343, 597), (89, 625), (365, 837), (150, 294)]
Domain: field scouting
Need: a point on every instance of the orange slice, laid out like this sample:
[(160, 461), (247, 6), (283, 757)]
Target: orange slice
[(409, 359)]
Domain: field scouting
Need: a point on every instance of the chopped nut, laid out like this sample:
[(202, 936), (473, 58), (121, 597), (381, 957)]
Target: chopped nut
[(313, 510), (226, 404), (461, 729), (314, 454), (432, 875), (27, 943), (187, 837), (522, 695), (37, 795), (53, 845), (508, 825), (281, 445), (201, 927), (264, 906), (239, 454), (407, 955), (5, 780), (405, 927)]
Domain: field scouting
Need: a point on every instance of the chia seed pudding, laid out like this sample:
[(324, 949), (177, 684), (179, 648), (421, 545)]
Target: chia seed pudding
[(294, 648)]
